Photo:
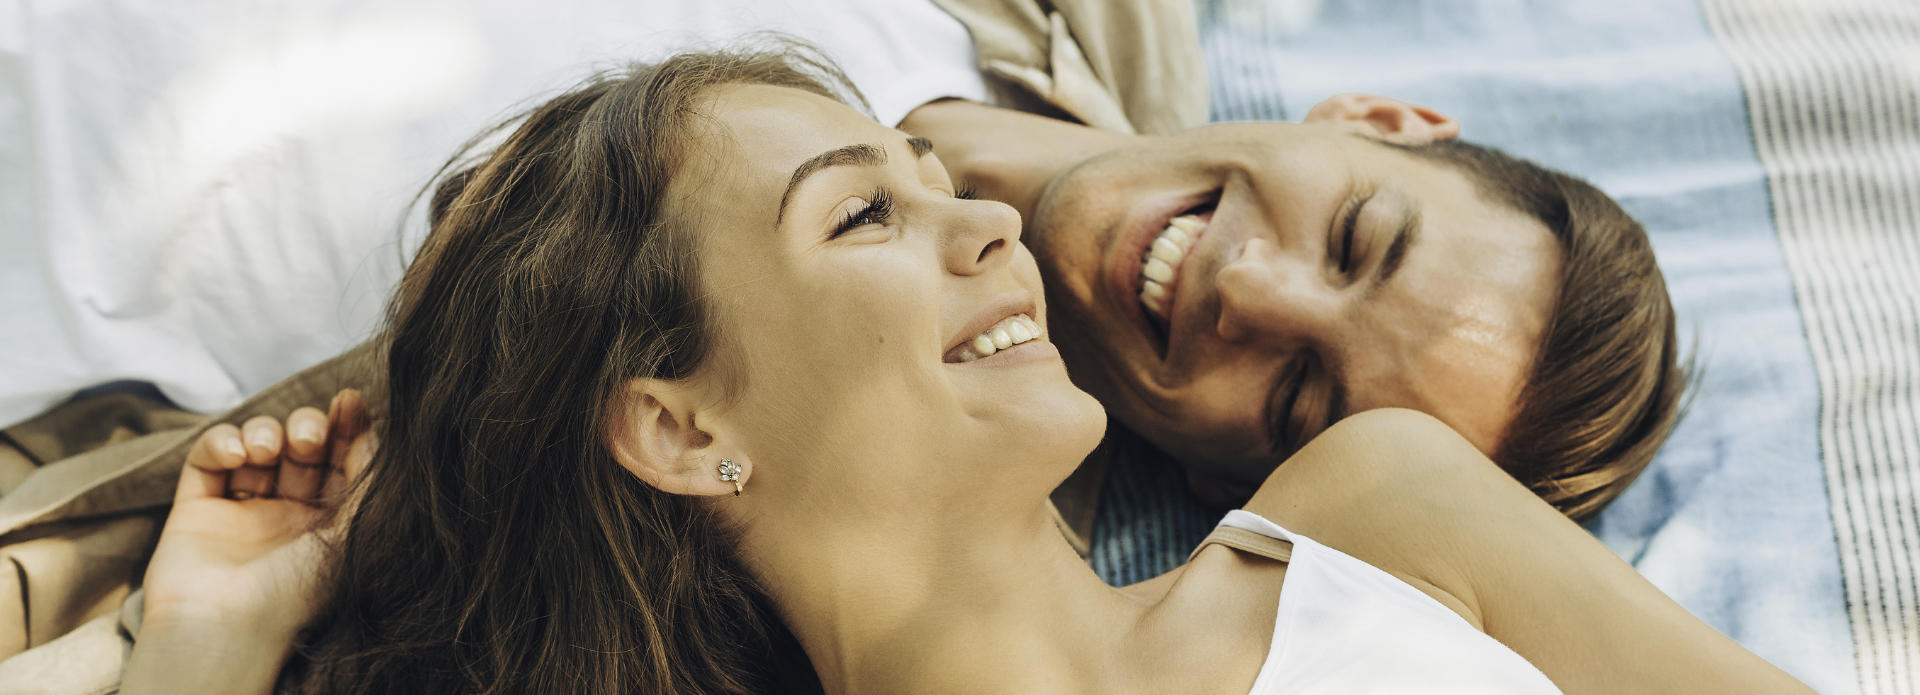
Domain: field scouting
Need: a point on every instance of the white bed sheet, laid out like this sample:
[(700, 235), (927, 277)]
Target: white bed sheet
[(208, 195)]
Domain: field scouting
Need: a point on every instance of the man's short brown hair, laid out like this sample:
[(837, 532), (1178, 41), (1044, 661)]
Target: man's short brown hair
[(1605, 387)]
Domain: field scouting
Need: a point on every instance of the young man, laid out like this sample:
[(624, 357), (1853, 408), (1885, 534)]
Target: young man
[(1229, 291)]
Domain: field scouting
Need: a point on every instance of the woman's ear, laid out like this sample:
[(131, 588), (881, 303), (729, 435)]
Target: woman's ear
[(1388, 119), (655, 434)]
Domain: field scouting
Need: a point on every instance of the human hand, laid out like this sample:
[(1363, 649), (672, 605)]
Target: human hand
[(244, 544)]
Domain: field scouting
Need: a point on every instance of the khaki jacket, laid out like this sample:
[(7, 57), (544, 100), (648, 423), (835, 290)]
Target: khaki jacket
[(1132, 66)]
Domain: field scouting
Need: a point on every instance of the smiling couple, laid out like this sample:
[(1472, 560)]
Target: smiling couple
[(706, 382)]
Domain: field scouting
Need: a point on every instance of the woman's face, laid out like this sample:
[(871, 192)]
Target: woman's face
[(851, 290)]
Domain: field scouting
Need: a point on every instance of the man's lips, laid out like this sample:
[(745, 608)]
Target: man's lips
[(1128, 245)]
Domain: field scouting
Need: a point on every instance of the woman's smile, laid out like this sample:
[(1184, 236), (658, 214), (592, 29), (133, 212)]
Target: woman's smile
[(1003, 333)]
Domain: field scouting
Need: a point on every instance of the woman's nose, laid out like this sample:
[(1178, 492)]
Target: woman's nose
[(980, 236), (1268, 295)]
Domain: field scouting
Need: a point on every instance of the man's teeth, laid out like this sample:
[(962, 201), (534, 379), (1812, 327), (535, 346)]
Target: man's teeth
[(1010, 331), (1162, 261)]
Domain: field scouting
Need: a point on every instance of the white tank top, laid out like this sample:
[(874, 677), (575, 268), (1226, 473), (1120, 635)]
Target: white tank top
[(1346, 627)]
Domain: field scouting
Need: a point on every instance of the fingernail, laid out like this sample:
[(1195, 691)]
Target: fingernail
[(233, 448), (242, 495), (261, 438), (308, 432)]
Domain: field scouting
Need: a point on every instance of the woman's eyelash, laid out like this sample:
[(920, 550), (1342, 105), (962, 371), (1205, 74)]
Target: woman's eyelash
[(879, 208)]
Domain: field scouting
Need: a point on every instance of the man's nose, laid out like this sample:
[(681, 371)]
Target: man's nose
[(1271, 295)]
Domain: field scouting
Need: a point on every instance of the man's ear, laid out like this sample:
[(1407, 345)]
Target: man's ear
[(1388, 119), (655, 433)]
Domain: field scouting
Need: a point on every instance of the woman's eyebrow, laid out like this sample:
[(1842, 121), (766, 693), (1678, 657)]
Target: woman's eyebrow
[(861, 154)]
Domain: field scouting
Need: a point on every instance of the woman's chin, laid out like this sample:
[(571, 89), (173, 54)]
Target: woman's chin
[(1062, 424)]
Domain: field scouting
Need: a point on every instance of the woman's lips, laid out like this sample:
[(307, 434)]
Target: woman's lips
[(1010, 332)]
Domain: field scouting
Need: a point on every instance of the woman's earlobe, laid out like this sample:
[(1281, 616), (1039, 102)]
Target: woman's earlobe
[(1388, 119), (655, 435)]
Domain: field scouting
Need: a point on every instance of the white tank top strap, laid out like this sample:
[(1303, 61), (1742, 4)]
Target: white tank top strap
[(1249, 532), (1344, 627)]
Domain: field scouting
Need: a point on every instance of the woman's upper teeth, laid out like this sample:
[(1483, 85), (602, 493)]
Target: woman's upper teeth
[(1162, 261), (1010, 331)]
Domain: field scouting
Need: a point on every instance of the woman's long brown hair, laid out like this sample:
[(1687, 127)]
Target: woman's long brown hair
[(499, 548)]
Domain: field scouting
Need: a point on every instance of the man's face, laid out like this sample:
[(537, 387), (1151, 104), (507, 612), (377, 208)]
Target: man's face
[(1304, 272)]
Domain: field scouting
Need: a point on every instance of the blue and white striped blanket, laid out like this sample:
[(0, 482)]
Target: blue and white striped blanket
[(1772, 149)]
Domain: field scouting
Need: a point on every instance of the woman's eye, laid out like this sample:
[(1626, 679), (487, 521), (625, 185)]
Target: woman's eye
[(878, 209)]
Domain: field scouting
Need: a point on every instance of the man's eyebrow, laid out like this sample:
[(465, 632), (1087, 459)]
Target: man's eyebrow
[(852, 155), (921, 146), (1397, 251)]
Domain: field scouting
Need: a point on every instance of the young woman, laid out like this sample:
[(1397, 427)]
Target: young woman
[(707, 383)]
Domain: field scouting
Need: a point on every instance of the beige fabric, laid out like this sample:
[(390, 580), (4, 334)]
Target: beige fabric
[(85, 424), (75, 572), (138, 474), (1122, 65), (1242, 539), (80, 426), (81, 561), (85, 661), (75, 534)]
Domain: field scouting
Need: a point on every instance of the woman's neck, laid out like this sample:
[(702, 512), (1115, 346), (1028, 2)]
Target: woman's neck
[(912, 603)]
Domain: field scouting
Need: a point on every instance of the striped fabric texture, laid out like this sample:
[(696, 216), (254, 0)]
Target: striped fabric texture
[(1833, 91)]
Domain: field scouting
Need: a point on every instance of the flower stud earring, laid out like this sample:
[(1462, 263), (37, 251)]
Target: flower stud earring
[(730, 473)]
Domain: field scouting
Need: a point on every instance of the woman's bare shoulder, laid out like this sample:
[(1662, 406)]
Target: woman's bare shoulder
[(1376, 464), (1401, 491)]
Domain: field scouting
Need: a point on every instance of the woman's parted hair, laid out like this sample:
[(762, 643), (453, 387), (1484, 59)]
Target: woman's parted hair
[(1607, 381), (499, 547)]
